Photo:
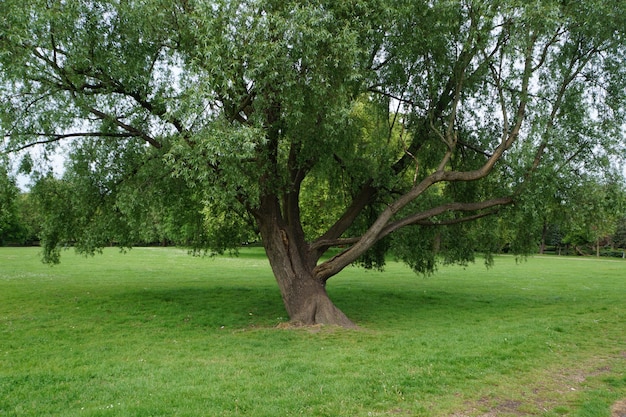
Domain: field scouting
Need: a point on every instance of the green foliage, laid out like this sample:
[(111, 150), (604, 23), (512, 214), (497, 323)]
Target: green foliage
[(321, 203), (30, 219), (9, 216), (227, 228), (619, 238), (54, 198), (374, 140), (19, 218)]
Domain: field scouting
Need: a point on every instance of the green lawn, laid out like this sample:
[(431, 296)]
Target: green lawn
[(156, 332)]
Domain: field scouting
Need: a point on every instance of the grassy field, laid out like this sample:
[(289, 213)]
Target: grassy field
[(156, 332)]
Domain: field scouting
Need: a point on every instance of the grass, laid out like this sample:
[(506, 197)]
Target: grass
[(156, 332)]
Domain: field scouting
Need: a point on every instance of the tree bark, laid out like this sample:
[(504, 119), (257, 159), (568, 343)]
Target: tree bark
[(304, 296)]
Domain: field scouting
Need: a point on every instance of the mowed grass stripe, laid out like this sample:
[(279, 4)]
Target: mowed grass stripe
[(157, 332)]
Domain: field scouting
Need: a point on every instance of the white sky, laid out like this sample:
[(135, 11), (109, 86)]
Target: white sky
[(55, 163)]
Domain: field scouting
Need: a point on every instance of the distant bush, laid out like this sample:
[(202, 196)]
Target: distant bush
[(613, 253)]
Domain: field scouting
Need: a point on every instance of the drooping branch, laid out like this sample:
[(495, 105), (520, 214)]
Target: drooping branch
[(459, 220), (392, 96), (158, 111), (59, 137), (448, 99), (475, 149)]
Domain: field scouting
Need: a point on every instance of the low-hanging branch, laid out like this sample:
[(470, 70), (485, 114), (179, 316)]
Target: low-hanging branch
[(424, 219), (418, 218)]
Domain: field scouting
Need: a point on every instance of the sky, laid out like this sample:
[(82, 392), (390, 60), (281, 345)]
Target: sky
[(55, 164)]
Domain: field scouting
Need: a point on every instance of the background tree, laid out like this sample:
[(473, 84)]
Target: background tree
[(599, 206), (619, 237), (580, 205), (10, 228), (221, 118)]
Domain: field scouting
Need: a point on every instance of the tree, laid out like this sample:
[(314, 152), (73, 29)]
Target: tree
[(402, 122), (597, 218), (581, 210), (10, 229), (619, 237)]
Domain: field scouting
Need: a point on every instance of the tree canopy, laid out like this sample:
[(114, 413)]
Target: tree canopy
[(374, 126)]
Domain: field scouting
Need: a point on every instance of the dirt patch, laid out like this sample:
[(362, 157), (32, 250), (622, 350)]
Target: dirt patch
[(504, 407), (299, 325), (619, 409), (311, 328), (554, 389)]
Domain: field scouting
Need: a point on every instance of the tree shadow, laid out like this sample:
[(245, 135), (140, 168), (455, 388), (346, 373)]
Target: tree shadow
[(261, 306), (379, 306), (215, 307)]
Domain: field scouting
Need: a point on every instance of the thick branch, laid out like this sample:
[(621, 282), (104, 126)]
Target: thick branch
[(391, 96), (329, 238), (328, 243), (133, 130), (425, 222), (383, 225), (419, 218), (338, 262)]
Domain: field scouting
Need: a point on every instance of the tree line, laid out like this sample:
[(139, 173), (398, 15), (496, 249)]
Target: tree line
[(593, 224)]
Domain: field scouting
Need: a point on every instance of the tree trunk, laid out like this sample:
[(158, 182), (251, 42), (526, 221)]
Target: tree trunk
[(308, 303), (544, 232), (304, 296)]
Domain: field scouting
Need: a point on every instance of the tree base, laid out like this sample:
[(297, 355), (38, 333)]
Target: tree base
[(319, 309)]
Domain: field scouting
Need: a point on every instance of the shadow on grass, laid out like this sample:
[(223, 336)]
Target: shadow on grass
[(380, 306), (216, 307), (241, 307)]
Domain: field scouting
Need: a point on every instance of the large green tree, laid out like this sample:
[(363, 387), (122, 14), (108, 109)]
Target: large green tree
[(368, 125)]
